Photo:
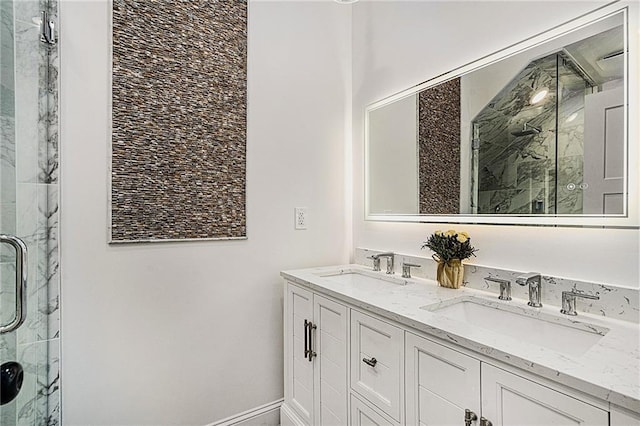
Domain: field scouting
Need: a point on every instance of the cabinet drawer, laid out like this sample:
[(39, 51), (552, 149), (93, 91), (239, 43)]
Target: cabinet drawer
[(363, 415), (380, 383)]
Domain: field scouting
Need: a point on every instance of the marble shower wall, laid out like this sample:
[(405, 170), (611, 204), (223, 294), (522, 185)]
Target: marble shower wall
[(615, 302), (29, 207), (7, 187), (513, 169), (518, 173)]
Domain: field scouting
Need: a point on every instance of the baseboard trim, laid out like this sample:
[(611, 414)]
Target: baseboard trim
[(288, 417), (249, 414)]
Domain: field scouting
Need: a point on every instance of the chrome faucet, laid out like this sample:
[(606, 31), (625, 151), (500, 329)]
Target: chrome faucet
[(390, 257), (534, 281), (505, 287), (569, 301)]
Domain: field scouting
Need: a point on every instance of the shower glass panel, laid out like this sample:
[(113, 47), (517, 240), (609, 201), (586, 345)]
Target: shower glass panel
[(551, 141), (530, 155), (29, 354), (572, 88)]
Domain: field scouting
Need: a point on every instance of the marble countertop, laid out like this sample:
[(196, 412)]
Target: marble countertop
[(609, 370)]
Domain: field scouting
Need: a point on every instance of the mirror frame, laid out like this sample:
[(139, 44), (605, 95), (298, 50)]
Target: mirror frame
[(631, 131)]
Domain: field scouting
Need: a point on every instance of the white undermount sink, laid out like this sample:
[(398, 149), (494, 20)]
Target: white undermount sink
[(563, 335)]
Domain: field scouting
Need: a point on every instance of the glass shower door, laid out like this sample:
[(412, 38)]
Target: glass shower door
[(28, 219)]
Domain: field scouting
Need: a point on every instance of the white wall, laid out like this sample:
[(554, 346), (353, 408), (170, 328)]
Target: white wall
[(399, 44), (189, 333)]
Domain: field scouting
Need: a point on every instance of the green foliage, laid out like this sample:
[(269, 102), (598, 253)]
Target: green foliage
[(450, 245)]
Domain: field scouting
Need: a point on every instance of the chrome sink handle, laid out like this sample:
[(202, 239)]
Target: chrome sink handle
[(376, 262), (505, 287), (534, 281), (406, 269), (569, 301)]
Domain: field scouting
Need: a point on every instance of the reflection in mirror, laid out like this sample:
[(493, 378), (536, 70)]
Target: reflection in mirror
[(541, 132)]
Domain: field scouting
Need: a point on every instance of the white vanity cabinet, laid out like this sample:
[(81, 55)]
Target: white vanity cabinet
[(348, 366), (316, 331), (442, 383)]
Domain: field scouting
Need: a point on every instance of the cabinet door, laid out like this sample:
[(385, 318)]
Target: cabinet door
[(508, 400), (330, 344), (299, 386), (441, 383), (362, 415), (381, 381), (624, 418)]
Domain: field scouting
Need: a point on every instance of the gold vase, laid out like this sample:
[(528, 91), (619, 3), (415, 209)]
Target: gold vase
[(450, 274)]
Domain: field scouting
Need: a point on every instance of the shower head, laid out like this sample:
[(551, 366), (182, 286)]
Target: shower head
[(527, 130)]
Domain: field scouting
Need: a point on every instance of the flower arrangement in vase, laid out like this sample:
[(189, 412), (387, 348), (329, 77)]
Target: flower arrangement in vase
[(450, 249)]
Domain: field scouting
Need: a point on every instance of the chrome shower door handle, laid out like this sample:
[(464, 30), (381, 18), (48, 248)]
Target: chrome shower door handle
[(21, 283)]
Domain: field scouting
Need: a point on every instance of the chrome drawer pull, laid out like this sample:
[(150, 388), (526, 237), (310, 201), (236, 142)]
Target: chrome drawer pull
[(469, 416), (485, 422), (370, 362)]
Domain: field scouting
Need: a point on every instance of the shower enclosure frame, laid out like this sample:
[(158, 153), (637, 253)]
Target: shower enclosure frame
[(29, 207)]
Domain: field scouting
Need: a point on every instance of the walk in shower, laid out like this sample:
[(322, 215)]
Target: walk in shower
[(533, 150), (29, 276)]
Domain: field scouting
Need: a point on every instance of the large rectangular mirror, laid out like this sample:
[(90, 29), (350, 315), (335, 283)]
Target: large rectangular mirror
[(536, 134)]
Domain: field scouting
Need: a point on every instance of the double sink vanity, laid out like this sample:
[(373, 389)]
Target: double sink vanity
[(371, 347)]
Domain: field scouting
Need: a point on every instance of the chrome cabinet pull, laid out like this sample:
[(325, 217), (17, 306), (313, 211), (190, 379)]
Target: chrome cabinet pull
[(311, 352), (485, 422), (21, 283), (469, 416), (306, 338), (370, 362)]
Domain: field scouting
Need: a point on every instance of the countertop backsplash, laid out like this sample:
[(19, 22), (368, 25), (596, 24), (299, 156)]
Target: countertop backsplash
[(615, 302)]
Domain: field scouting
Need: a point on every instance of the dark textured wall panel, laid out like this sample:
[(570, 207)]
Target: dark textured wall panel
[(179, 119), (439, 148)]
